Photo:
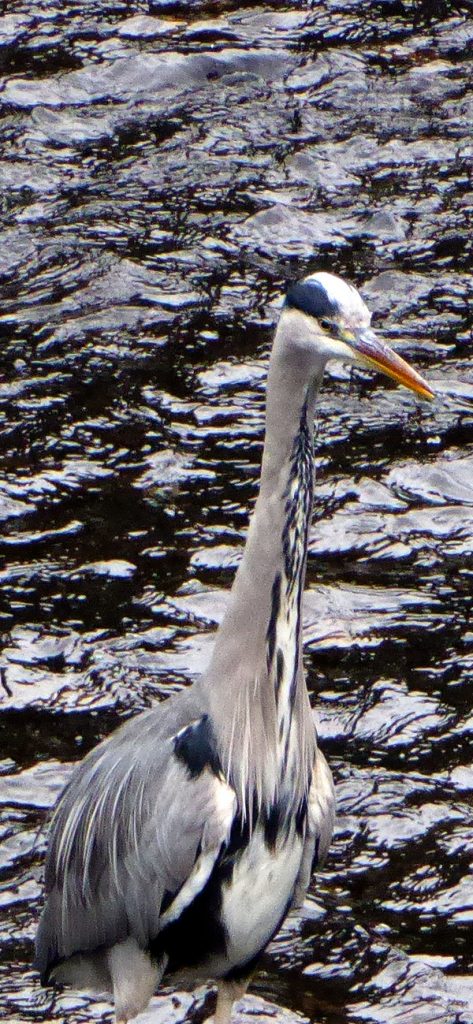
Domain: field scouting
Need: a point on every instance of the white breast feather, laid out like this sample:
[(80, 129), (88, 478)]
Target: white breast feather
[(257, 896)]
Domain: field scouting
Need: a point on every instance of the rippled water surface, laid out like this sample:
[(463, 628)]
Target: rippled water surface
[(165, 169)]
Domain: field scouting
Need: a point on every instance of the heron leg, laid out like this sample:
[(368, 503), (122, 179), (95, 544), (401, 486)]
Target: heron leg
[(228, 992)]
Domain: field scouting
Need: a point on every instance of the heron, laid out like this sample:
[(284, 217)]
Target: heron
[(182, 841)]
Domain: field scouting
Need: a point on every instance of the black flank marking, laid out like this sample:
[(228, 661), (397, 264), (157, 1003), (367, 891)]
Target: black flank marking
[(240, 836), (273, 618), (301, 816), (272, 826), (166, 901), (311, 298), (197, 749), (279, 670), (200, 933), (197, 934)]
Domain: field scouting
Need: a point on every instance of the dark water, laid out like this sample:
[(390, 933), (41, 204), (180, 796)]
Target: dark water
[(165, 169)]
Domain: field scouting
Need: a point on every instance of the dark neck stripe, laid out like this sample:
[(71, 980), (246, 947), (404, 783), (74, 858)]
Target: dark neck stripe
[(286, 596)]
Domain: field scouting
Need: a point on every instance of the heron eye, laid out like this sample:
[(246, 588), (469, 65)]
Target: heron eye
[(326, 324)]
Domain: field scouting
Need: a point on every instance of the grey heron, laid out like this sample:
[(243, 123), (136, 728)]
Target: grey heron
[(182, 841)]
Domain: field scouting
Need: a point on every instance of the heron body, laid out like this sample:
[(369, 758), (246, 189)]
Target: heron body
[(182, 841)]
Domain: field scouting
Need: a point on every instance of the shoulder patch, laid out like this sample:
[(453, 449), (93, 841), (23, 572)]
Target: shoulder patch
[(196, 747)]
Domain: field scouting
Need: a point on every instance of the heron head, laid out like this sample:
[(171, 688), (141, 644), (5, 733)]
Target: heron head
[(338, 324)]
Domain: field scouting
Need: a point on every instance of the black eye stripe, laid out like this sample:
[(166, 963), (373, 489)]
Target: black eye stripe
[(311, 298)]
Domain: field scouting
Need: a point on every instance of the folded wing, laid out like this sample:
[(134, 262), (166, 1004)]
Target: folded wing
[(134, 838)]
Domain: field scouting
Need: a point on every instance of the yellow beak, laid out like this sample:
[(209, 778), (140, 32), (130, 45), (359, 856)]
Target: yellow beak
[(375, 354)]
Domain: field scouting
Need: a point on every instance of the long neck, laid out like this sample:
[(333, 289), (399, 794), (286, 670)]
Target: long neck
[(255, 681)]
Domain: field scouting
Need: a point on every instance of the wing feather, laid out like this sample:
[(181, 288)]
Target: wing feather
[(132, 827)]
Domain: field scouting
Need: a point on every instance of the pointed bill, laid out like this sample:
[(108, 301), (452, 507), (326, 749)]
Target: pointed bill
[(373, 352)]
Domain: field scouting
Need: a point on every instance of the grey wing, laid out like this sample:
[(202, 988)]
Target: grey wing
[(143, 819), (320, 823)]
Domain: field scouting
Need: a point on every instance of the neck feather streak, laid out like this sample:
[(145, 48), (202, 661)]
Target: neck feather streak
[(255, 683), (284, 634)]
